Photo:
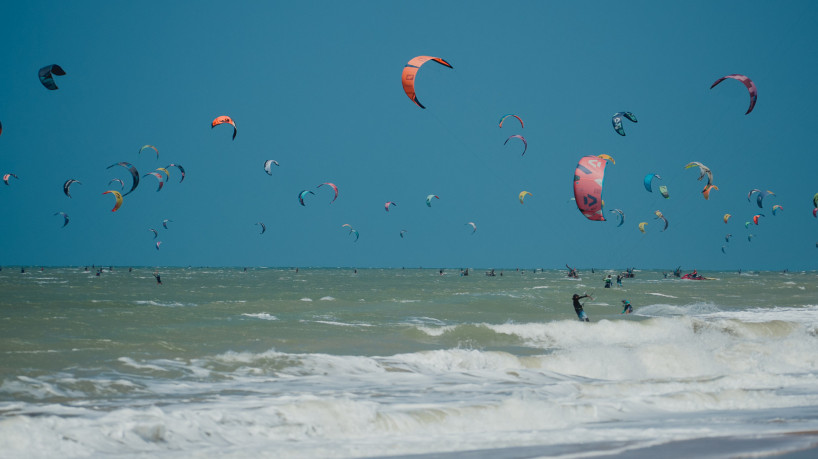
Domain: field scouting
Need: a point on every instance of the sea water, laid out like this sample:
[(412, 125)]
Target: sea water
[(338, 363)]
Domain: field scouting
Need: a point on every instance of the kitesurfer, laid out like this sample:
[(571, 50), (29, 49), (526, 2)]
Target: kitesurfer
[(158, 277), (578, 307), (608, 281), (619, 279), (626, 307)]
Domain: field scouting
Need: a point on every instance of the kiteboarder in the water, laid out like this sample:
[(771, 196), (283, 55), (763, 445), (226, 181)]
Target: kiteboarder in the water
[(626, 307), (578, 307)]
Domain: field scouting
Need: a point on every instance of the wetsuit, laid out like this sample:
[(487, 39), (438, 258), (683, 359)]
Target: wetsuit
[(578, 309)]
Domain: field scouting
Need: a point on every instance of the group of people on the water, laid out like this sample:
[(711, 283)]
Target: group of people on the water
[(627, 308)]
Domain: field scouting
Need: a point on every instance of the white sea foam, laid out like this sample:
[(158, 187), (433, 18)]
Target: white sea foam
[(261, 315), (305, 299), (661, 294), (327, 298)]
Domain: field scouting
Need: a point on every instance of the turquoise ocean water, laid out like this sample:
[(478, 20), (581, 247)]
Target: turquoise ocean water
[(395, 362)]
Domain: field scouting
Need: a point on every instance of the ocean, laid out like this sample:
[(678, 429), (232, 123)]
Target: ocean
[(344, 363)]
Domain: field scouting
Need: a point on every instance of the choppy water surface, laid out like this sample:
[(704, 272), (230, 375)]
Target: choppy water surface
[(334, 363)]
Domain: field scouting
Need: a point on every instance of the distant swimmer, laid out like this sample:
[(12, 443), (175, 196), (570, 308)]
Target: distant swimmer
[(627, 308), (158, 277), (578, 307), (608, 281)]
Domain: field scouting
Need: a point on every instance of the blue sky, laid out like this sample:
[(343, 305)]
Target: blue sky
[(316, 86)]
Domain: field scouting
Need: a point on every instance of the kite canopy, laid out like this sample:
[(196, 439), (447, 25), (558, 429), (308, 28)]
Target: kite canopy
[(648, 181), (663, 191), (132, 170), (588, 178), (150, 146), (642, 226), (46, 75), (621, 216), (268, 166), (67, 185), (525, 144), (523, 195), (616, 120), (751, 87), (181, 169), (429, 199), (411, 70), (762, 195), (6, 177), (224, 120), (388, 203), (263, 227), (334, 188), (301, 195), (118, 197), (726, 217), (65, 217), (515, 116)]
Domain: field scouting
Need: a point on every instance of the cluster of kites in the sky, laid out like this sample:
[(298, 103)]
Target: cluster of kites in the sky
[(588, 176)]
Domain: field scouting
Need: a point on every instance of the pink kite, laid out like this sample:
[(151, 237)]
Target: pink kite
[(588, 186)]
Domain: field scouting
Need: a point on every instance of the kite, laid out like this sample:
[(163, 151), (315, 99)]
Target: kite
[(663, 191), (134, 174), (1, 128), (334, 188), (621, 216), (301, 195), (67, 185), (660, 216), (648, 181), (777, 207), (727, 237), (754, 190), (355, 232), (263, 227), (706, 190), (224, 120), (607, 157), (722, 250), (815, 200), (65, 216), (750, 238), (409, 72), (473, 226), (401, 233), (268, 166), (158, 177), (46, 75), (181, 169), (588, 178), (155, 233), (511, 114), (762, 195), (165, 223), (616, 120), (121, 183), (751, 87), (118, 197), (150, 146), (815, 212), (523, 194), (642, 226), (726, 217), (388, 203), (755, 218), (703, 170), (429, 199), (158, 244), (525, 144), (6, 177)]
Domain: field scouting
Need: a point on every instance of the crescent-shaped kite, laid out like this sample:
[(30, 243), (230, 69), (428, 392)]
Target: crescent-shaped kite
[(751, 87), (224, 120), (410, 70), (181, 169), (707, 189), (118, 197), (642, 226), (334, 188), (616, 120), (301, 195), (158, 244), (648, 181), (515, 116), (165, 223), (473, 226), (588, 178), (762, 195), (659, 215), (777, 207), (755, 218), (429, 199), (10, 174), (46, 75), (525, 144), (727, 217), (621, 216), (263, 227), (268, 166), (67, 185), (150, 146), (388, 203), (134, 174), (663, 191), (121, 183), (523, 195), (65, 216), (158, 177), (155, 233)]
